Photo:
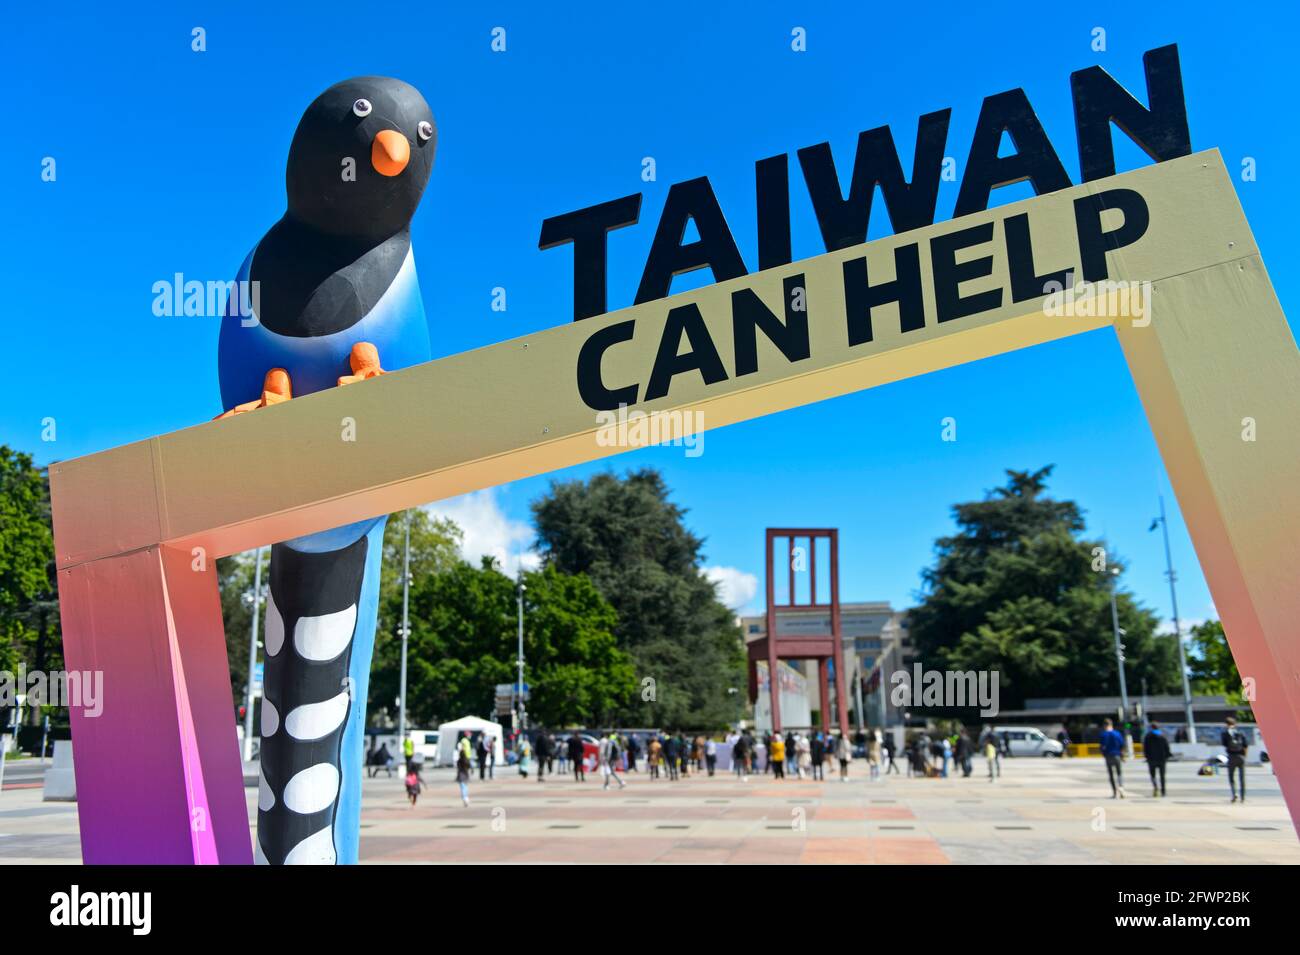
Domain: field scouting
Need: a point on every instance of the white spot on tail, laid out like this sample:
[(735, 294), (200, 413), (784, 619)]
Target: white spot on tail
[(313, 789), (265, 798), (270, 718), (274, 627), (316, 849), (326, 636), (314, 720)]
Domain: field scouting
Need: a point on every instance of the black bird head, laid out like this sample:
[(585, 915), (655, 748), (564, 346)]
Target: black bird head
[(361, 157)]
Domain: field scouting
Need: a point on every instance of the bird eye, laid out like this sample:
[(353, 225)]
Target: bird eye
[(425, 130), (362, 107)]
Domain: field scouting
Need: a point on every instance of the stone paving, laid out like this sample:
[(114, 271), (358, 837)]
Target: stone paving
[(1039, 812)]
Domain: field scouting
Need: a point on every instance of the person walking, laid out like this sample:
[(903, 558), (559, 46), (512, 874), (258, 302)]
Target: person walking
[(818, 756), (740, 757), (463, 768), (633, 752), (804, 749), (1112, 750), (776, 756), (525, 755), (482, 750), (711, 755), (962, 753), (672, 757), (655, 753), (875, 746), (989, 744), (844, 753), (1155, 747), (610, 760), (887, 745), (541, 749), (946, 743), (413, 782), (573, 753), (1234, 747)]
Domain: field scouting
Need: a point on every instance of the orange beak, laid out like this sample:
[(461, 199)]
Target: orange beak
[(390, 152)]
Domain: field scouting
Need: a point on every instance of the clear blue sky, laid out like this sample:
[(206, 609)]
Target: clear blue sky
[(173, 161)]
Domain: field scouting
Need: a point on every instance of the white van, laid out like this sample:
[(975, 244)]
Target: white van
[(1028, 741), (426, 746)]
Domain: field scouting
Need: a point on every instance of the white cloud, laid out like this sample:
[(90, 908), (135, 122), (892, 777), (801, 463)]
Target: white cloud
[(488, 530), (736, 588)]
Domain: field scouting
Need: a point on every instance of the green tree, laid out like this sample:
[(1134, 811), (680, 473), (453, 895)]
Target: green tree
[(1019, 590), (435, 548), (29, 618), (434, 544), (629, 538), (235, 584), (1210, 665), (463, 643)]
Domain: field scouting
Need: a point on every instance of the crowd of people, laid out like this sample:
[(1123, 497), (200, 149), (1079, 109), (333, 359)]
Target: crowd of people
[(1156, 753), (794, 754)]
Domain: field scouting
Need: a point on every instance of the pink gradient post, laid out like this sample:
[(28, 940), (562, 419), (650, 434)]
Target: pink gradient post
[(159, 778)]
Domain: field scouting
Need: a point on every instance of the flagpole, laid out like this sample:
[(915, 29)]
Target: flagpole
[(1178, 629)]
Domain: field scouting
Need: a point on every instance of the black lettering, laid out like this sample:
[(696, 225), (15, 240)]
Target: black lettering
[(1093, 242), (1034, 159), (844, 222), (948, 274), (716, 249), (703, 356), (591, 385), (1025, 283), (748, 314), (1160, 131), (588, 229), (772, 191), (860, 296)]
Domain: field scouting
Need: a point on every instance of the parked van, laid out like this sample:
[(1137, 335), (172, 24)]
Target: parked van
[(426, 746), (1028, 741)]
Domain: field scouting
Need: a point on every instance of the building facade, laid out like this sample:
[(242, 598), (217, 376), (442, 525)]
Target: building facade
[(875, 643)]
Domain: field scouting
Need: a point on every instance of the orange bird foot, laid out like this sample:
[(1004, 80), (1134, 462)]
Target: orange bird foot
[(276, 388), (365, 364)]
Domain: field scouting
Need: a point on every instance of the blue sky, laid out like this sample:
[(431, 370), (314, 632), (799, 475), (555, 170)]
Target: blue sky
[(172, 161)]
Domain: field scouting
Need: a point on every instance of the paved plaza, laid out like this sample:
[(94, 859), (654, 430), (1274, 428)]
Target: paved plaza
[(1040, 811)]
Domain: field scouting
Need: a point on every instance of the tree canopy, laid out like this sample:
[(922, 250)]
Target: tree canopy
[(1210, 665), (29, 611), (1020, 590), (630, 539), (463, 643)]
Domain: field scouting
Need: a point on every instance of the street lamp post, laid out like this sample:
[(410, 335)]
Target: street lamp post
[(252, 658), (1178, 629), (1119, 646), (519, 680), (857, 692), (406, 632)]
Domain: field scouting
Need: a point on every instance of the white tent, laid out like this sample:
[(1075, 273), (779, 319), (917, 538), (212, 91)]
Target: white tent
[(449, 733)]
